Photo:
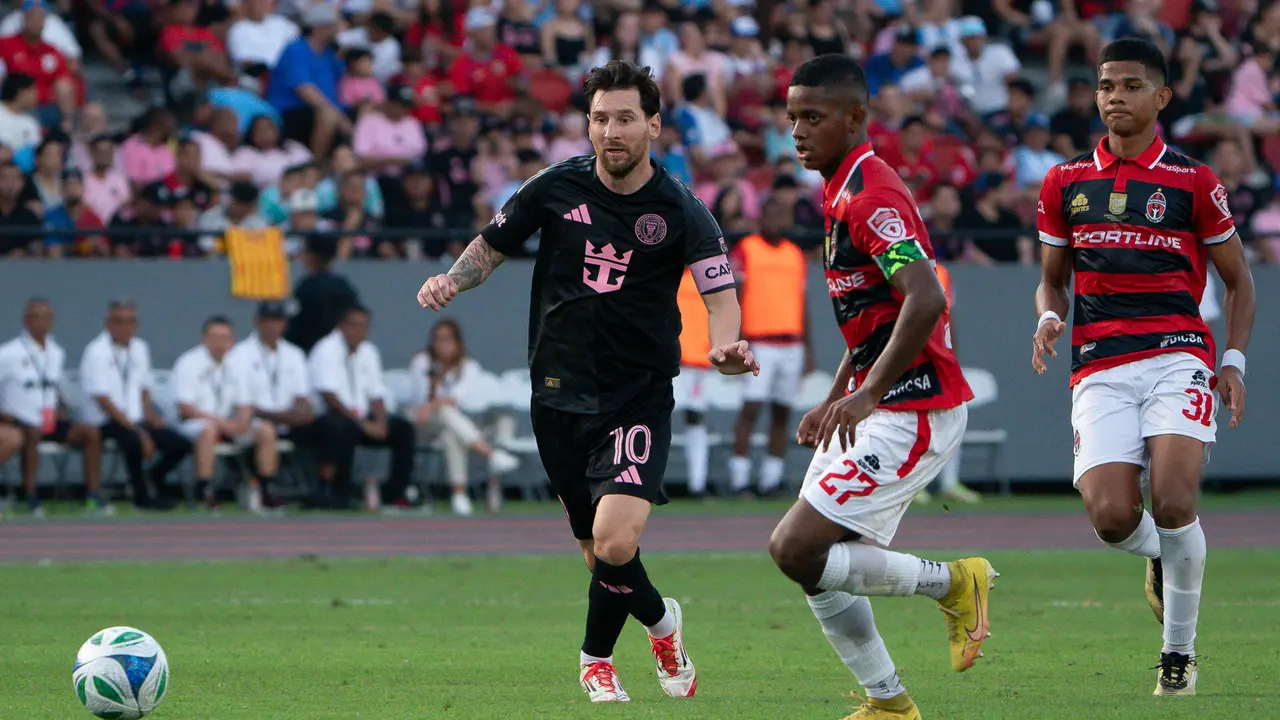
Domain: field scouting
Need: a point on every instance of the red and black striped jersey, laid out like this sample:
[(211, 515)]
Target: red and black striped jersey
[(1139, 230), (873, 230)]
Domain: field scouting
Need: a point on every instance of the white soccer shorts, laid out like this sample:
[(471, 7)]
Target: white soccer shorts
[(894, 455), (690, 388), (781, 371), (1113, 411)]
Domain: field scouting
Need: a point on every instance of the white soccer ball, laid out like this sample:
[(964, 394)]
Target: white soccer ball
[(120, 673)]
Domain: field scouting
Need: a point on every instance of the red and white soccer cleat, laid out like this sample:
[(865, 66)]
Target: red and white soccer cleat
[(600, 680), (676, 673)]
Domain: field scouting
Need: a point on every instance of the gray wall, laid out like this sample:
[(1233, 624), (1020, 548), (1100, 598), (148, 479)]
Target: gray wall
[(993, 325)]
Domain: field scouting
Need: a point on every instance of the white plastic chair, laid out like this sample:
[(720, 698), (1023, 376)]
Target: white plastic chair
[(399, 388), (485, 393), (515, 389)]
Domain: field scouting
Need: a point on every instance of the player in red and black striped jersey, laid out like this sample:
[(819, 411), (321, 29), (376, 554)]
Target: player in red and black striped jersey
[(1138, 222), (899, 385)]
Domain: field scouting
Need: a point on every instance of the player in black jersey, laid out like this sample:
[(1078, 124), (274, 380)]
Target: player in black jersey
[(617, 234)]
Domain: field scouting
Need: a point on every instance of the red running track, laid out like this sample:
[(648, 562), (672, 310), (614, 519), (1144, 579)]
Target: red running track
[(196, 538)]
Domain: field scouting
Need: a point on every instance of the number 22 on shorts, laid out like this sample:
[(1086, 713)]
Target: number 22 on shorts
[(1201, 409), (633, 442)]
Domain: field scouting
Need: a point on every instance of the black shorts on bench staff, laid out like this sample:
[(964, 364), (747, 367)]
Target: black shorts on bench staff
[(621, 452)]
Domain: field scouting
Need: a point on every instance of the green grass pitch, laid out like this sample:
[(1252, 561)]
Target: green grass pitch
[(498, 638)]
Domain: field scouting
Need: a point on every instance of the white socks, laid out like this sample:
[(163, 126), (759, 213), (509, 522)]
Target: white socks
[(585, 659), (860, 569), (739, 473), (771, 473), (1144, 542), (1182, 554), (850, 627), (665, 626), (695, 453)]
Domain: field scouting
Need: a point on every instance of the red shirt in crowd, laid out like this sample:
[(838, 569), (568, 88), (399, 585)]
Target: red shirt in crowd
[(488, 81), (40, 60), (174, 38), (426, 90)]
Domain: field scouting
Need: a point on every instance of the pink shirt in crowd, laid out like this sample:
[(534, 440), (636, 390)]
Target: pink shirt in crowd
[(214, 157), (145, 163), (267, 166), (376, 136), (353, 91), (105, 195), (1249, 92)]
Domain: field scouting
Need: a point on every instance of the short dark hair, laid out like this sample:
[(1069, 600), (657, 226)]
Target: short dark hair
[(37, 300), (322, 248), (624, 75), (694, 87), (14, 84), (352, 309), (1143, 52), (215, 320), (834, 71)]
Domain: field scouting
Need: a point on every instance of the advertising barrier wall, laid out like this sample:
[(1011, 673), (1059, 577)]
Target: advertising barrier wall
[(993, 323)]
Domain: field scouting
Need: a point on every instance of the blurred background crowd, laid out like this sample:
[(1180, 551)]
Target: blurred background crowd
[(174, 120)]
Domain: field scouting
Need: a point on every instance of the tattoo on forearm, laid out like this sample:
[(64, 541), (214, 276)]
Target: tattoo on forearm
[(475, 264)]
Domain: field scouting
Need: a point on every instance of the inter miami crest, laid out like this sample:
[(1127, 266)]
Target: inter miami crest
[(1156, 205)]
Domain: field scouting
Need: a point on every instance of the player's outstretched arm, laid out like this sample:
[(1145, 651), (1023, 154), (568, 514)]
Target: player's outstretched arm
[(1228, 257), (729, 355), (472, 267), (1053, 299)]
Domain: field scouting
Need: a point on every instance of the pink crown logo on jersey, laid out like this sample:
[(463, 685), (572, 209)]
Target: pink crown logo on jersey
[(651, 229), (1156, 205), (609, 264)]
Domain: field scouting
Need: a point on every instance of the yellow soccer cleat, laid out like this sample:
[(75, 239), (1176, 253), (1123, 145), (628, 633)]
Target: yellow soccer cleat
[(900, 707), (966, 609), (1177, 675), (1155, 588)]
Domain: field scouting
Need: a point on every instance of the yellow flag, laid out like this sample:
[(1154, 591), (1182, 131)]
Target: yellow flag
[(259, 268)]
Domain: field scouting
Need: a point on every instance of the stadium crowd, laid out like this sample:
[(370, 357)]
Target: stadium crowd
[(426, 115)]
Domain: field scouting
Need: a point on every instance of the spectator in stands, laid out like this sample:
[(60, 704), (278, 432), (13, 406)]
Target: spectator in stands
[(944, 213), (19, 129), (219, 144), (304, 83), (19, 226), (1251, 100), (256, 41), (826, 33), (342, 162), (116, 373), (1075, 126), (273, 202), (265, 153), (452, 162), (695, 59), (239, 211), (983, 68), (567, 41), (1230, 162), (275, 374), (378, 36), (187, 48), (1018, 115), (932, 88), (890, 67), (626, 43), (346, 373), (1138, 20), (703, 127), (910, 159), (106, 187), (56, 32), (43, 189), (655, 35), (419, 210), (443, 375), (189, 176), (1033, 159), (147, 154), (359, 90), (486, 70), (322, 296), (214, 407), (184, 215), (572, 139), (124, 33), (74, 213), (143, 216), (27, 54), (30, 390), (91, 122), (351, 215), (989, 214), (517, 30), (388, 138)]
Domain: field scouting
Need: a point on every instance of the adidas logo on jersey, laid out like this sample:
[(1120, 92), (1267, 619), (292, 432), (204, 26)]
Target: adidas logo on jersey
[(579, 214)]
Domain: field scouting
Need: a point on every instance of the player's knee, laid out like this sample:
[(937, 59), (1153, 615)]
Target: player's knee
[(789, 553), (1114, 521), (208, 435), (616, 548), (90, 436), (1172, 511)]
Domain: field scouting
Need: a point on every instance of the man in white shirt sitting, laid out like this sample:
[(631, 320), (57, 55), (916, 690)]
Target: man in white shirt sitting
[(30, 375), (346, 373), (274, 372), (214, 407), (116, 374)]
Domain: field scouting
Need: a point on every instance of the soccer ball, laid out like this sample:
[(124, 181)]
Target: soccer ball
[(120, 673)]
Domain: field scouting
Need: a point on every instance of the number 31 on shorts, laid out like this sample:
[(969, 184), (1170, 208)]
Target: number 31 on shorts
[(633, 442), (1201, 409)]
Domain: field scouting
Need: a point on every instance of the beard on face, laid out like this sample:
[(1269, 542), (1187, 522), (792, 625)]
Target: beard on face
[(620, 167)]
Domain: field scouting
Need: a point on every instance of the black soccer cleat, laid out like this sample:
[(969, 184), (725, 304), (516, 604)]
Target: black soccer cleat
[(1177, 675), (1155, 588)]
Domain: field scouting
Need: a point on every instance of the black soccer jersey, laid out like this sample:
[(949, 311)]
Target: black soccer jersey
[(603, 321)]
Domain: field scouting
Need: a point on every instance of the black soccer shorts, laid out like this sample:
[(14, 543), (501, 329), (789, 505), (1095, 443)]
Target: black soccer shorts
[(622, 452)]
